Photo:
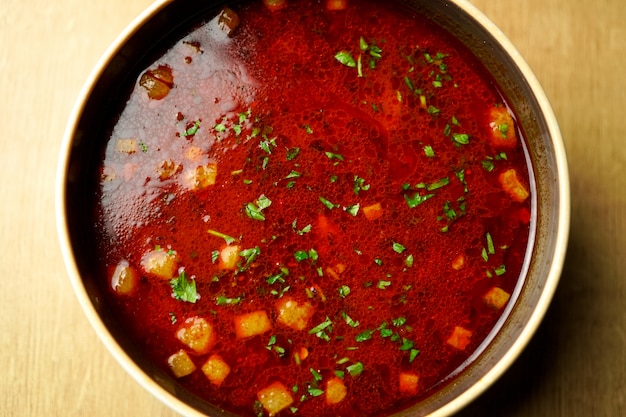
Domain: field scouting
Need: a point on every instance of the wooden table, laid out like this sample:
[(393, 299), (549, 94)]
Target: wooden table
[(53, 364)]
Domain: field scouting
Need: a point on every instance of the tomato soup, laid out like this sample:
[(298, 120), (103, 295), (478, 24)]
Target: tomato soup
[(313, 208)]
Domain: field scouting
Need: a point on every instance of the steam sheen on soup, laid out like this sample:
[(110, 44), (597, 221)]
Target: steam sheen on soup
[(313, 208)]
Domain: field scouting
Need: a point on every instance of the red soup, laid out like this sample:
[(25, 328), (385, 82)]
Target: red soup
[(313, 208)]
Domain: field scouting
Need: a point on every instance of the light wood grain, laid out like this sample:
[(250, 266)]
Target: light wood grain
[(54, 365)]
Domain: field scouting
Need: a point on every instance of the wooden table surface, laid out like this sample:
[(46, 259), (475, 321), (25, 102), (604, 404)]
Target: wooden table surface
[(53, 364)]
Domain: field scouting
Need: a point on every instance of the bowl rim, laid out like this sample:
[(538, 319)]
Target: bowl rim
[(456, 404)]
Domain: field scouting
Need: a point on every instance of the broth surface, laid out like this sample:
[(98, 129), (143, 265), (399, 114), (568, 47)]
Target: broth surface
[(313, 212)]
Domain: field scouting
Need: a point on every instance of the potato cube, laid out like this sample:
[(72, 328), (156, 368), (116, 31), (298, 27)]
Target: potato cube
[(124, 279), (204, 176), (460, 338), (336, 391), (373, 212), (181, 364), (496, 298), (502, 127), (458, 263), (198, 334), (167, 169), (252, 324), (294, 314), (275, 398), (512, 185), (126, 146), (216, 369), (229, 256), (161, 263), (408, 383)]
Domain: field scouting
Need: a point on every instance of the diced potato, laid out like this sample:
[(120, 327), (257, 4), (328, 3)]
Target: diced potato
[(228, 21), (204, 176), (198, 334), (293, 314), (124, 279), (229, 256), (108, 174), (336, 4), (458, 263), (460, 338), (275, 5), (502, 127), (275, 398), (126, 146), (496, 298), (216, 369), (373, 211), (181, 364), (167, 169), (193, 153), (157, 82), (252, 324), (408, 383), (335, 271), (512, 185), (161, 263), (336, 391)]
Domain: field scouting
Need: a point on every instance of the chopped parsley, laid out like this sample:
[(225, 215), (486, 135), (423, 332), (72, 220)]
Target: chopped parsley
[(184, 289)]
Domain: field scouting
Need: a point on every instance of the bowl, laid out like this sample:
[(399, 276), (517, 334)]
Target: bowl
[(135, 48)]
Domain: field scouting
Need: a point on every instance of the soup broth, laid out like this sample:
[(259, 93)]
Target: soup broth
[(313, 209)]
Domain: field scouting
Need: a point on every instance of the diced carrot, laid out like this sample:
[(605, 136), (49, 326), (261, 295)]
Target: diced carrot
[(293, 314), (336, 390), (216, 369), (408, 383), (229, 256), (325, 227), (502, 127), (275, 5), (458, 263), (275, 398), (124, 279), (373, 212), (336, 4), (160, 263), (335, 271), (512, 185), (496, 298), (252, 324), (198, 334), (460, 338), (300, 354), (181, 364)]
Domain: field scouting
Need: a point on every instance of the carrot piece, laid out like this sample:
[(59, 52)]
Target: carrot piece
[(336, 391), (458, 263), (275, 398), (408, 383), (512, 185), (460, 338), (373, 212), (334, 5), (275, 5), (496, 298)]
